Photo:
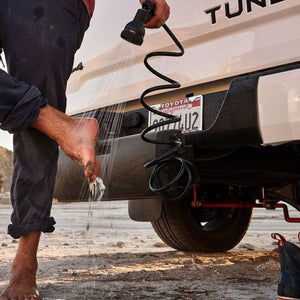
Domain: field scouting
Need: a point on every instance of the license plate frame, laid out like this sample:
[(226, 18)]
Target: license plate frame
[(190, 110)]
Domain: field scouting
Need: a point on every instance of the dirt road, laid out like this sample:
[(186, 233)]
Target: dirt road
[(97, 252)]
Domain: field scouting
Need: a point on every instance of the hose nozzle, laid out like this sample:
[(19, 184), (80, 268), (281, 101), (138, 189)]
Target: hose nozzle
[(134, 31)]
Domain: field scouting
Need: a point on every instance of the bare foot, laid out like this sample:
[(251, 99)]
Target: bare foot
[(22, 285), (76, 136), (79, 143)]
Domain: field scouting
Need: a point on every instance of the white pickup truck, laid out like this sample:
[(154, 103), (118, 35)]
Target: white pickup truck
[(239, 104)]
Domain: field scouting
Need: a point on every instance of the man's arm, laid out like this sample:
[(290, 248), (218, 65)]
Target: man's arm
[(161, 13)]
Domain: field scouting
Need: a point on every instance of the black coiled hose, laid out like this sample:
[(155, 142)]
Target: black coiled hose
[(168, 158)]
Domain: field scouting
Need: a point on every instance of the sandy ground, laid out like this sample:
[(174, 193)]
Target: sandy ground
[(97, 252)]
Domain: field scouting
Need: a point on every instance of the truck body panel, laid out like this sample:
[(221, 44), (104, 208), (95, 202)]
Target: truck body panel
[(221, 40)]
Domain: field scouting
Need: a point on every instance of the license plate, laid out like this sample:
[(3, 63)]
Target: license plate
[(190, 110)]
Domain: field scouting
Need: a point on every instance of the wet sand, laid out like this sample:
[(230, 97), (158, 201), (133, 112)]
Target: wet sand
[(97, 252)]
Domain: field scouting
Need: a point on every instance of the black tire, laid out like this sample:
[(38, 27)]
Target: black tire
[(185, 228)]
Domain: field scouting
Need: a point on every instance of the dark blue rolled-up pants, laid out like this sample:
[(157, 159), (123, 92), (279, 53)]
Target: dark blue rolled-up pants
[(39, 39)]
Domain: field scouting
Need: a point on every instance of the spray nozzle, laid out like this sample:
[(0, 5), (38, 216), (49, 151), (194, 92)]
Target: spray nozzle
[(134, 31)]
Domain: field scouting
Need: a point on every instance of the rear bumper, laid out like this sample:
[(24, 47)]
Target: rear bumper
[(234, 122), (258, 109)]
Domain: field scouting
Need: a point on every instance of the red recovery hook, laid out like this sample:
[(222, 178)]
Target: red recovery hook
[(196, 204)]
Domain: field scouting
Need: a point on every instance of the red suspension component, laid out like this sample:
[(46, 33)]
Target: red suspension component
[(196, 204)]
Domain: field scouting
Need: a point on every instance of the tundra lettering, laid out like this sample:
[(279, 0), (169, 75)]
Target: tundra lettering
[(231, 13)]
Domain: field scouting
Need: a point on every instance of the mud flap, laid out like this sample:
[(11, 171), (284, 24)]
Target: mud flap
[(145, 210)]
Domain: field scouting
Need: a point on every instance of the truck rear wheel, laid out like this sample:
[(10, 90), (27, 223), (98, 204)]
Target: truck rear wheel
[(185, 228)]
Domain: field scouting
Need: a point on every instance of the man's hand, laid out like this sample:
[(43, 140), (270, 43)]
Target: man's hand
[(161, 13)]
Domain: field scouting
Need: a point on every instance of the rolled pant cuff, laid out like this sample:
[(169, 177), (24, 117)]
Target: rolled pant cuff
[(25, 112), (16, 231)]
